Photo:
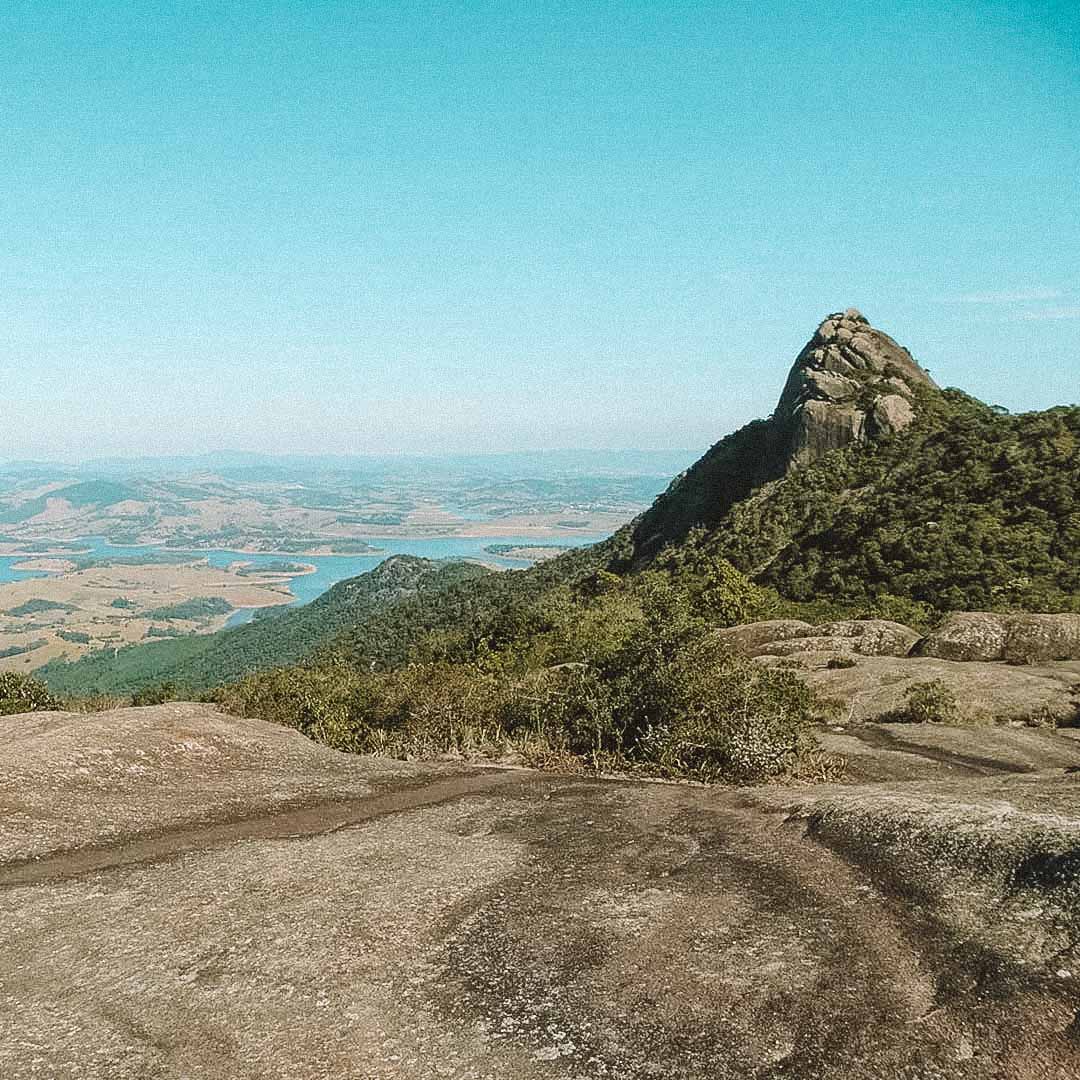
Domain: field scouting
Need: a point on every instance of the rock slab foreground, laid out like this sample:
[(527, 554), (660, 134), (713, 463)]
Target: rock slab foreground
[(304, 914)]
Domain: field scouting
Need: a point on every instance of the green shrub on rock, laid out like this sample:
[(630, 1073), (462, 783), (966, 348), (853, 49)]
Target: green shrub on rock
[(931, 702), (21, 693), (724, 718)]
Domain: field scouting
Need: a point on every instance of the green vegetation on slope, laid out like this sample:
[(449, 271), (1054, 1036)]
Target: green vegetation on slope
[(87, 493), (198, 607), (197, 661), (37, 606), (18, 650), (610, 672), (970, 509)]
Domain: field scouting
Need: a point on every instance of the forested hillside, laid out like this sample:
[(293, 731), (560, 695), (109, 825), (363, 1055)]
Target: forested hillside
[(870, 492), (198, 661), (970, 508)]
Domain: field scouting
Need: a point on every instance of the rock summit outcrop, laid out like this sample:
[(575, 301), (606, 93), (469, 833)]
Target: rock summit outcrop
[(850, 383), (789, 637), (962, 637)]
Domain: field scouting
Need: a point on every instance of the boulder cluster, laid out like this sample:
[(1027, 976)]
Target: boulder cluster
[(789, 637), (966, 636), (1019, 638)]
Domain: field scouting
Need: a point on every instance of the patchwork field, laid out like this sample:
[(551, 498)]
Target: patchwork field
[(74, 611)]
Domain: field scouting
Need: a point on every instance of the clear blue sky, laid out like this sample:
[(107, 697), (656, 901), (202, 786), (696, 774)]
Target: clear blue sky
[(356, 226)]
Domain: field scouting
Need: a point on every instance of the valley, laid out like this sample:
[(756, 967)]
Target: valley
[(62, 602), (323, 506), (69, 611), (106, 555)]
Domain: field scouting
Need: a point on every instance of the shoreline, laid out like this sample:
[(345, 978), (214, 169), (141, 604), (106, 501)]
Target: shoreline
[(466, 530), (45, 554)]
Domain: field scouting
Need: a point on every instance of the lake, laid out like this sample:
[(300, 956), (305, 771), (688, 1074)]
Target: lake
[(329, 569)]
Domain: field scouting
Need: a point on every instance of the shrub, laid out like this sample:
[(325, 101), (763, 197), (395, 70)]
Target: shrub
[(21, 693), (1042, 716), (326, 704), (158, 694), (931, 702), (840, 663), (624, 674), (714, 716)]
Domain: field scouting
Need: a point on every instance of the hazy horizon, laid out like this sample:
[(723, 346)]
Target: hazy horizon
[(334, 228), (220, 456)]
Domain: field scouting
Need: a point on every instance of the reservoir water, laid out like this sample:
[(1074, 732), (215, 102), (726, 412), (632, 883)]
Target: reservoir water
[(329, 569)]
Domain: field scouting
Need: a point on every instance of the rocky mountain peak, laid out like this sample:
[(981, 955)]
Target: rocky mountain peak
[(851, 382)]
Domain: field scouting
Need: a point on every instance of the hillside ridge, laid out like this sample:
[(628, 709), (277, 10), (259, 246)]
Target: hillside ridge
[(850, 383), (868, 491)]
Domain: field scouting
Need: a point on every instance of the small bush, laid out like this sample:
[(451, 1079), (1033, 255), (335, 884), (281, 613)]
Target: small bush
[(840, 663), (21, 693), (159, 694), (931, 702), (715, 717)]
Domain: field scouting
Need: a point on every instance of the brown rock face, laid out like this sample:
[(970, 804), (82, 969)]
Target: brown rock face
[(186, 894), (1020, 638), (851, 382)]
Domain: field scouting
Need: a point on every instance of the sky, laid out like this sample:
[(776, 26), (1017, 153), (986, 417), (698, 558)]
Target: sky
[(350, 227)]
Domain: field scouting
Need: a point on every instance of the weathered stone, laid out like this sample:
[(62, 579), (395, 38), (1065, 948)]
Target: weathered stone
[(816, 643), (821, 426), (987, 693), (747, 638), (966, 635), (818, 412), (833, 386), (1017, 638), (892, 414), (1036, 638), (789, 637), (363, 918), (71, 780), (874, 637)]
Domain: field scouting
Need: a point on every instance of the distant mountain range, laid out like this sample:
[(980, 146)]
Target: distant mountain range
[(239, 463), (265, 503)]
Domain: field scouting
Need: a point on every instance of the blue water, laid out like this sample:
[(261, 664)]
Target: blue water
[(7, 574), (329, 569)]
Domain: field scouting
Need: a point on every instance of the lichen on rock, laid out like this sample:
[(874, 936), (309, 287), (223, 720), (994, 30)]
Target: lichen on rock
[(1015, 638)]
